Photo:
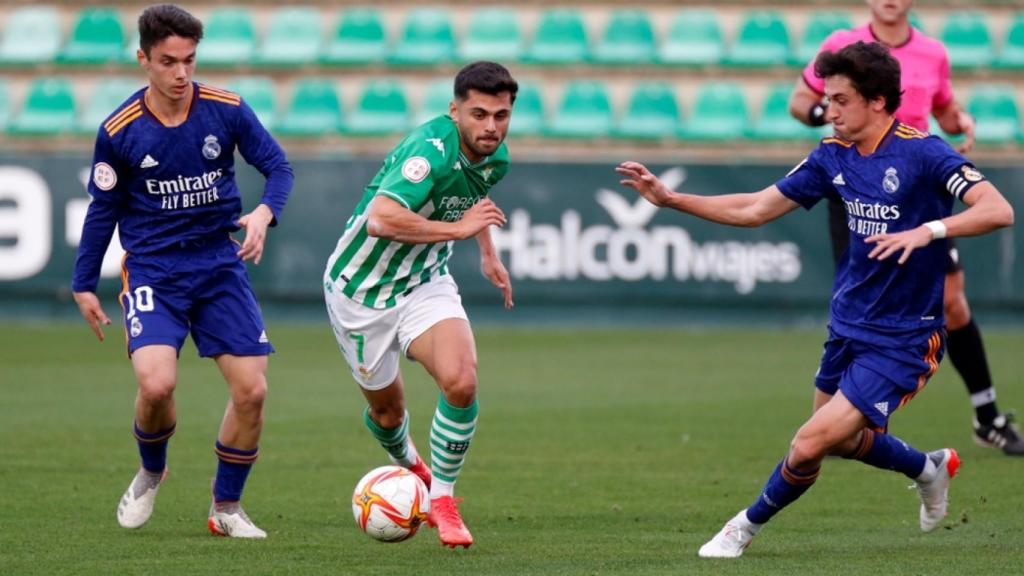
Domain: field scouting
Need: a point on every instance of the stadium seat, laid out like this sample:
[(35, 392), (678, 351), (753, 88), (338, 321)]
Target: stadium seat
[(995, 111), (761, 41), (32, 36), (382, 109), (694, 39), (49, 108), (98, 37), (293, 39), (653, 112), (818, 28), (585, 111), (358, 39), (561, 38), (494, 35), (258, 92), (720, 113), (436, 99), (427, 39), (528, 111), (315, 109), (229, 38), (106, 96), (628, 39), (1012, 54), (776, 123), (967, 40)]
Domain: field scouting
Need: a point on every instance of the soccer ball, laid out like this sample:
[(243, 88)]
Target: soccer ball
[(390, 503)]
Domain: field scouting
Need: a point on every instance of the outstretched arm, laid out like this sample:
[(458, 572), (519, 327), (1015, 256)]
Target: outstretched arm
[(988, 210), (391, 220), (748, 209)]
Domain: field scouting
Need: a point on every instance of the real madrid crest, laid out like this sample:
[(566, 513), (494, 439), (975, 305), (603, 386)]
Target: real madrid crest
[(136, 328), (211, 148), (891, 183)]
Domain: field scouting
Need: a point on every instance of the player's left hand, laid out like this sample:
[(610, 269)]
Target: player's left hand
[(967, 129), (255, 225), (888, 244), (495, 271)]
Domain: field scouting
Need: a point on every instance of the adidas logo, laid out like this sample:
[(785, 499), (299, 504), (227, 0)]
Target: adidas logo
[(263, 337), (883, 407), (838, 180), (148, 162)]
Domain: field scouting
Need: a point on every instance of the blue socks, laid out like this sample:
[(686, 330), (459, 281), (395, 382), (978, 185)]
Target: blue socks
[(153, 448), (889, 453), (232, 470), (784, 486)]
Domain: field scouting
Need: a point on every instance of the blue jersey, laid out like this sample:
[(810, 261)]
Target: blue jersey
[(167, 187), (909, 179)]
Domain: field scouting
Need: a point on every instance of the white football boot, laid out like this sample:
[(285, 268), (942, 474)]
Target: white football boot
[(935, 492), (732, 539), (136, 504), (228, 519)]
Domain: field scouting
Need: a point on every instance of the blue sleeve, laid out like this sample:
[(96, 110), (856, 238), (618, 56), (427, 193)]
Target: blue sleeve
[(806, 183), (951, 171), (260, 150), (107, 188)]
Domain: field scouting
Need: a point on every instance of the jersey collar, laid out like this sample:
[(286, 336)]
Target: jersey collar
[(158, 118)]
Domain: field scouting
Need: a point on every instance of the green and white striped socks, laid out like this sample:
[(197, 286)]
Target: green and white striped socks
[(450, 435), (394, 440)]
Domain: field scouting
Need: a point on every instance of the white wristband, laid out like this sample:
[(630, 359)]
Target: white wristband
[(938, 229)]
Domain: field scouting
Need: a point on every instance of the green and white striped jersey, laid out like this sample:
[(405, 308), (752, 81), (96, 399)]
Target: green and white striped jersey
[(428, 174)]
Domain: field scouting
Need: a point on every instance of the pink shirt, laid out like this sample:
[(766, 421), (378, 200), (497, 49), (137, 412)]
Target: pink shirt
[(924, 72)]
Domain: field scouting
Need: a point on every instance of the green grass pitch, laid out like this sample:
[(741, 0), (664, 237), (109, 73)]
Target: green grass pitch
[(597, 452)]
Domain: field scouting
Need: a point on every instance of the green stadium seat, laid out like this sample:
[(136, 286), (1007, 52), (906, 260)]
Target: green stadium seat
[(436, 98), (996, 114), (694, 39), (106, 96), (494, 35), (229, 38), (49, 108), (720, 113), (258, 92), (97, 38), (653, 112), (382, 109), (628, 39), (358, 39), (293, 39), (528, 111), (427, 39), (967, 40), (32, 36), (315, 109), (5, 105), (762, 40), (1012, 55), (585, 111), (776, 123), (561, 38), (819, 27), (934, 128)]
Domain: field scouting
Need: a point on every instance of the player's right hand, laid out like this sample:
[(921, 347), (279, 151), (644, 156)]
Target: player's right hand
[(483, 214), (89, 306), (639, 178)]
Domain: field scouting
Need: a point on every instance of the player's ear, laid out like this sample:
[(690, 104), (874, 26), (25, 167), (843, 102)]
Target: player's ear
[(453, 110), (141, 57)]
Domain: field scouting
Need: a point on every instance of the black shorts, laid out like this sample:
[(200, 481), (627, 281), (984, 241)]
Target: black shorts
[(840, 235)]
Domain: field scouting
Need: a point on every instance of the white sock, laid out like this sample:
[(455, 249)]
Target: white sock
[(440, 488)]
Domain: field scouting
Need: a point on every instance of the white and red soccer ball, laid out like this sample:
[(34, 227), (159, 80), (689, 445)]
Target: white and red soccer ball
[(390, 503)]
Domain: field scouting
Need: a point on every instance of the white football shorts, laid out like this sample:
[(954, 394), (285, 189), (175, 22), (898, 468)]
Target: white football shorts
[(371, 339)]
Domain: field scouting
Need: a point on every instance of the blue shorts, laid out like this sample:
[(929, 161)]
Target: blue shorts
[(878, 380), (203, 290)]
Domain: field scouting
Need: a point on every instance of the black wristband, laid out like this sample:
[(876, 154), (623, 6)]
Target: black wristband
[(816, 115)]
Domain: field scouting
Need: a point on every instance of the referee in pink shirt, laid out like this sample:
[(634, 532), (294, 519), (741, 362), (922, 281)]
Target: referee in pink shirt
[(926, 90)]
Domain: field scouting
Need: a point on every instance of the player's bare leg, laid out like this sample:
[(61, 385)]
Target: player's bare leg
[(238, 444), (448, 352), (156, 370), (388, 421)]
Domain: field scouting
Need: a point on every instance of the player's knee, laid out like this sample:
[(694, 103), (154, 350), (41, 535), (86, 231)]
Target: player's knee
[(156, 388), (807, 450), (459, 384), (250, 394)]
